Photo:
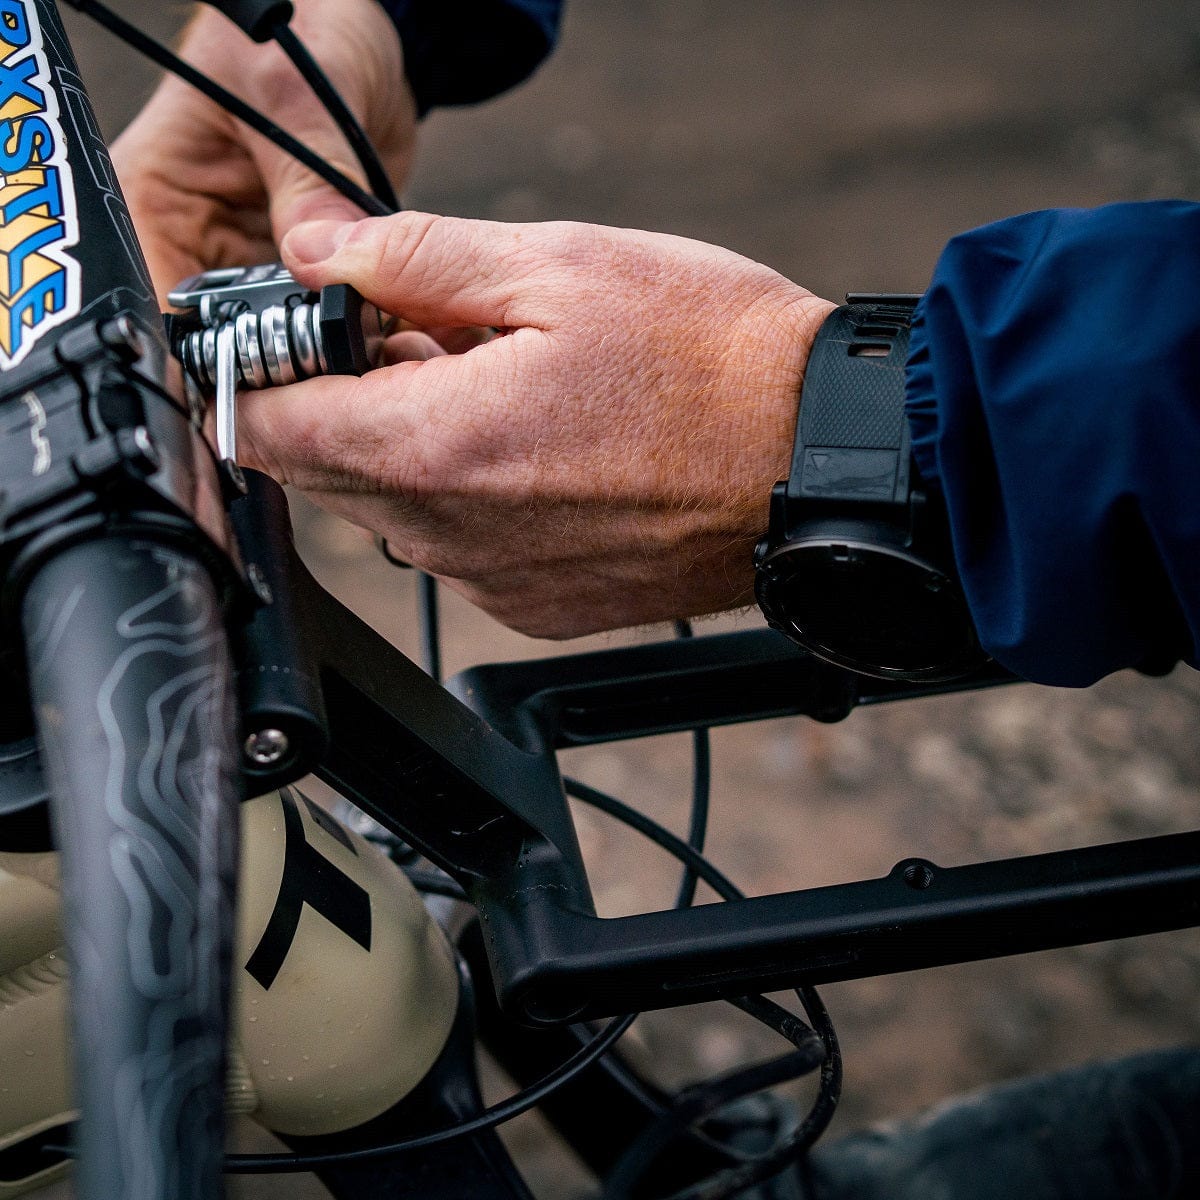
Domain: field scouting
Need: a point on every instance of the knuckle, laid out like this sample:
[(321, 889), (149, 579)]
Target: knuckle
[(573, 243), (408, 245), (271, 79)]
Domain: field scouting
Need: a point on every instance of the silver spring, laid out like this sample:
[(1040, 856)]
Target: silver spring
[(277, 346), (206, 358), (304, 339), (277, 349), (251, 368)]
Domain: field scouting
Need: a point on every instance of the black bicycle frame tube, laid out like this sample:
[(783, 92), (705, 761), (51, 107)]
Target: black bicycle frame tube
[(477, 790), (116, 572)]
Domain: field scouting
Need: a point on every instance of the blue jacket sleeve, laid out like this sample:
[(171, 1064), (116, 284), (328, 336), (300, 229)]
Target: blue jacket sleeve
[(1054, 399), (470, 50)]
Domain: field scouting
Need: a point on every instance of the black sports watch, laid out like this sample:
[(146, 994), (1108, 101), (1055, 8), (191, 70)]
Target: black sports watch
[(856, 565)]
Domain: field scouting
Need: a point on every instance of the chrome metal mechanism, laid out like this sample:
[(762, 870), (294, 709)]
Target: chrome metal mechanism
[(282, 344), (256, 327)]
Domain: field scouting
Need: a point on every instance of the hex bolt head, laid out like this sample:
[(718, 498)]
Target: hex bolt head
[(258, 581), (266, 747), (124, 336), (145, 446)]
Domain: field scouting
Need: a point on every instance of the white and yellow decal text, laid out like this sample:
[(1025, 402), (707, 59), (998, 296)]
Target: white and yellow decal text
[(39, 282)]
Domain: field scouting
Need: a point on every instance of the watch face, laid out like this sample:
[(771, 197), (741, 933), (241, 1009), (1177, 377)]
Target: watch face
[(872, 609)]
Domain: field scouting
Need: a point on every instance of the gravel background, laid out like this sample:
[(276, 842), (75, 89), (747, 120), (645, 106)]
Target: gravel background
[(843, 144)]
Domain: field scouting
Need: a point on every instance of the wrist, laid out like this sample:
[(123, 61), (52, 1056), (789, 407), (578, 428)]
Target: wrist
[(744, 447), (785, 327), (791, 330)]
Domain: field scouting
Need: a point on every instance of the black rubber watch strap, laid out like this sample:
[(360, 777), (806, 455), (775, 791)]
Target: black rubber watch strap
[(852, 441), (855, 566)]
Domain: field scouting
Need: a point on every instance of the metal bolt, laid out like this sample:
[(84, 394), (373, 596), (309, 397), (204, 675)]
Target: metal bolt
[(137, 448), (122, 334), (258, 581), (131, 334), (145, 443), (266, 747)]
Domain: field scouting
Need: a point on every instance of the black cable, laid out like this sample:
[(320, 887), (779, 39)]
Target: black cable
[(337, 108), (729, 1183), (736, 1179), (720, 883), (431, 640), (269, 1164), (651, 829), (802, 1035), (701, 1101), (169, 61), (701, 796), (785, 1023), (693, 1104)]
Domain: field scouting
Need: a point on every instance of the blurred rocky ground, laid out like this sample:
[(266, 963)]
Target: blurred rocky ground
[(843, 144)]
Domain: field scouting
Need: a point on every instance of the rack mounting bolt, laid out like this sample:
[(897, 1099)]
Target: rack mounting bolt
[(267, 747)]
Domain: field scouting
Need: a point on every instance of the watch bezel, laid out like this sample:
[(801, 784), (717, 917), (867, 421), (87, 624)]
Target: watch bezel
[(780, 563)]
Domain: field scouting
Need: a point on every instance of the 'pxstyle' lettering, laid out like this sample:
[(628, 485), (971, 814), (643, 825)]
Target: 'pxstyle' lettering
[(37, 217)]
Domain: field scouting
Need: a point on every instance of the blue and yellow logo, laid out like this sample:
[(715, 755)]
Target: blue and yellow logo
[(39, 283)]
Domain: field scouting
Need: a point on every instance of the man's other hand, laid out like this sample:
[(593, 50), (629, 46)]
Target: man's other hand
[(205, 192)]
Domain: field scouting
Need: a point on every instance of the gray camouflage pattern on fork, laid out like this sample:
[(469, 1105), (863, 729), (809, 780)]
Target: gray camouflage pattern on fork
[(136, 718)]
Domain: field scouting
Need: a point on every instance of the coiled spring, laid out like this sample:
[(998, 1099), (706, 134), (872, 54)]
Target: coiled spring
[(282, 344)]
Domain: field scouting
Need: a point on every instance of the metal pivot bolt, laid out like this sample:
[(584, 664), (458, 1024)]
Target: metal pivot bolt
[(267, 747)]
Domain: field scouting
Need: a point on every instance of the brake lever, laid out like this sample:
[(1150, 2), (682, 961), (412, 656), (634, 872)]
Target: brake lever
[(256, 327)]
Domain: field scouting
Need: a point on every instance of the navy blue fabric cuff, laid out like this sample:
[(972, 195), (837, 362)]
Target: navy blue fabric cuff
[(1054, 399), (471, 50)]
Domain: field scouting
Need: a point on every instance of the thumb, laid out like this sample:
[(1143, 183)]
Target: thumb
[(432, 270)]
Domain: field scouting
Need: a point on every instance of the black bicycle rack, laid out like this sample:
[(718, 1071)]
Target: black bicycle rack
[(468, 776)]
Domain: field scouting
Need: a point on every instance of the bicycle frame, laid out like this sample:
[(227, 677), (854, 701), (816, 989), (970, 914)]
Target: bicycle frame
[(391, 740)]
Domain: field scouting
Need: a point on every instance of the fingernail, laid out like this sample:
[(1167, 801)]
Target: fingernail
[(315, 241)]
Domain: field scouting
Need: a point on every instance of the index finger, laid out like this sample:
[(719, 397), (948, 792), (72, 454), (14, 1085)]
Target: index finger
[(433, 270)]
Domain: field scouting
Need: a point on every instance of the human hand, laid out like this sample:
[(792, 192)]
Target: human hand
[(205, 192), (607, 461)]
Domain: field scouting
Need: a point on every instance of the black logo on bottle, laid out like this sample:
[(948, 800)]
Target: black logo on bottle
[(309, 878)]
